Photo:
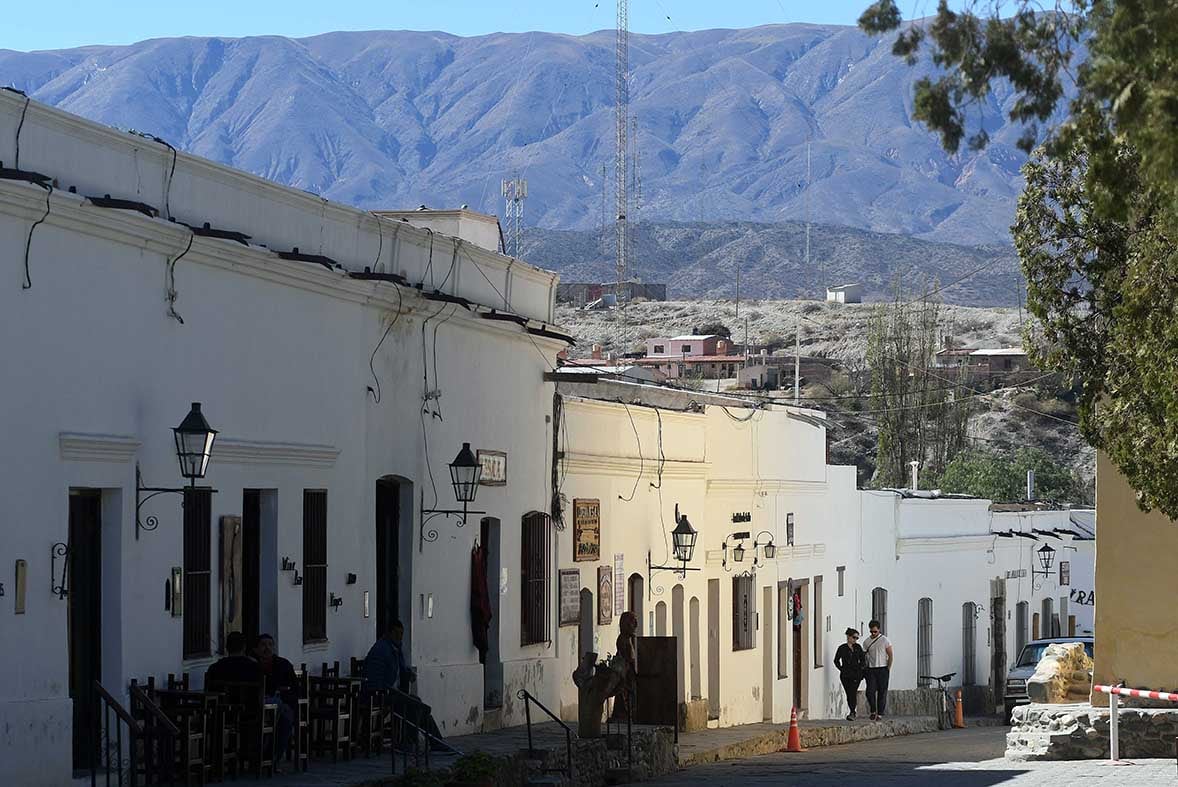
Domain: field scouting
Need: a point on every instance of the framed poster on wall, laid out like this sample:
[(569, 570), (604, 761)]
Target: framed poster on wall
[(570, 596), (494, 468), (586, 530), (605, 595)]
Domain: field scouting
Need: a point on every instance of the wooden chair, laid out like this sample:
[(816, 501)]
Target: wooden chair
[(332, 671), (191, 714), (302, 723), (369, 710), (177, 684), (331, 716), (256, 721)]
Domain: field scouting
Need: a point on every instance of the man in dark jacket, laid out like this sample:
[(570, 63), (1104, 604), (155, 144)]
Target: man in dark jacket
[(281, 689), (852, 665), (386, 667), (236, 667)]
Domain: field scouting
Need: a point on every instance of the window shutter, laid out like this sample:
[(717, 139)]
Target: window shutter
[(314, 565), (197, 572), (536, 568)]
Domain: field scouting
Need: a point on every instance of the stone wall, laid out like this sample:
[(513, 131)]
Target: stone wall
[(1081, 732), (1064, 675)]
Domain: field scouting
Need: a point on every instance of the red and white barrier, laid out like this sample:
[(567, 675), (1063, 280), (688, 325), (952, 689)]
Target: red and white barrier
[(1121, 691), (1143, 693)]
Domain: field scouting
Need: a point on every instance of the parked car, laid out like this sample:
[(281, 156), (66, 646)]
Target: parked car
[(1024, 668)]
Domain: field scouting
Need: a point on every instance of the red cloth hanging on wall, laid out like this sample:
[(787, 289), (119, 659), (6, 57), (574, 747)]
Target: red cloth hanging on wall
[(480, 602)]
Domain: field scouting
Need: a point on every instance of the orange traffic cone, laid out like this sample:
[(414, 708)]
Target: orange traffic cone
[(794, 741), (959, 715)]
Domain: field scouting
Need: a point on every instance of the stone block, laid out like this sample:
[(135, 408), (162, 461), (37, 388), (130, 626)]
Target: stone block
[(1063, 675), (693, 716)]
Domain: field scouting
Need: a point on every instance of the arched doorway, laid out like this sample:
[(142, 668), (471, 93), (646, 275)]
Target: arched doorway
[(679, 631), (660, 619), (585, 627), (636, 599), (693, 616), (394, 545)]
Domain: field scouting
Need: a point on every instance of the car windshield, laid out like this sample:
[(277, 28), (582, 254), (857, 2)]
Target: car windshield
[(1033, 652)]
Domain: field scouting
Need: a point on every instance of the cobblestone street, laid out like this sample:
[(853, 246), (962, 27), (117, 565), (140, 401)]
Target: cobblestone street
[(965, 758)]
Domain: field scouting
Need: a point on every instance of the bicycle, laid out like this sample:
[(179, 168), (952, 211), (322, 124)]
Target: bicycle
[(948, 701)]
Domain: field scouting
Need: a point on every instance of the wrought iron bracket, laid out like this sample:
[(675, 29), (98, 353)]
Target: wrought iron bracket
[(681, 570), (429, 514), (59, 587), (152, 521)]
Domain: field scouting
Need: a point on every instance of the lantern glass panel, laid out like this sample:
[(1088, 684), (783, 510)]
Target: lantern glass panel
[(465, 473), (683, 537), (738, 553), (770, 551), (1046, 557), (194, 443)]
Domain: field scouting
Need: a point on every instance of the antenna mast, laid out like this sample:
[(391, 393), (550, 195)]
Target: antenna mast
[(621, 147), (515, 191)]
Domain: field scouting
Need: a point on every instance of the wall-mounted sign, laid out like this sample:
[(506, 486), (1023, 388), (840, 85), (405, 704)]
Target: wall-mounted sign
[(605, 595), (494, 465), (570, 596), (586, 530), (1017, 573), (176, 606), (231, 567), (745, 516), (1084, 599), (789, 530), (619, 581), (1065, 572)]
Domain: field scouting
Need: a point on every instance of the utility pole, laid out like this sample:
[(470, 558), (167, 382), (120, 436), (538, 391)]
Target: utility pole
[(798, 363), (738, 297), (806, 200), (515, 191), (621, 146)]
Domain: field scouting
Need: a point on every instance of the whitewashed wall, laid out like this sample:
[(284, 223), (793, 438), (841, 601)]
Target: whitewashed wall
[(278, 353)]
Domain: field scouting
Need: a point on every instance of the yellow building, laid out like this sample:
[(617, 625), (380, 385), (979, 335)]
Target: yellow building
[(1136, 589)]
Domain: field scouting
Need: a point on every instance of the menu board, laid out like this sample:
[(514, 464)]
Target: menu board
[(570, 596), (586, 530)]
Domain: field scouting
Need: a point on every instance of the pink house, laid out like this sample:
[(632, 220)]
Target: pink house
[(687, 346)]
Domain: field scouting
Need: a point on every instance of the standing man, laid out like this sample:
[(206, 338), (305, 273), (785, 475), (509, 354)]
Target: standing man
[(878, 652)]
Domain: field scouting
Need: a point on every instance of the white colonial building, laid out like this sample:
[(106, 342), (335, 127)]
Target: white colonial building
[(340, 398)]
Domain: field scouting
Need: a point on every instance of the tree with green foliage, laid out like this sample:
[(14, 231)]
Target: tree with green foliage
[(713, 329), (920, 416), (1002, 476), (1098, 221)]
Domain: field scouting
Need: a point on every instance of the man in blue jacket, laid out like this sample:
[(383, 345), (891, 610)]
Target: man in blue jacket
[(385, 667)]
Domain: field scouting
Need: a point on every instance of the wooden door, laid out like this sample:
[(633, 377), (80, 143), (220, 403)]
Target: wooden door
[(84, 577)]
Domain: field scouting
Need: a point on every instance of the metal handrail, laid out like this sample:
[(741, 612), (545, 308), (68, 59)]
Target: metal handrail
[(142, 736), (412, 702), (528, 699)]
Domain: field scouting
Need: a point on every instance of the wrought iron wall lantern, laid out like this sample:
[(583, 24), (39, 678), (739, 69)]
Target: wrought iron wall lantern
[(683, 539), (1046, 556), (765, 548), (465, 472), (59, 585), (194, 445)]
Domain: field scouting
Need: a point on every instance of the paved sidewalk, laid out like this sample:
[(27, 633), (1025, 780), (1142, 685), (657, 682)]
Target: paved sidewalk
[(961, 758)]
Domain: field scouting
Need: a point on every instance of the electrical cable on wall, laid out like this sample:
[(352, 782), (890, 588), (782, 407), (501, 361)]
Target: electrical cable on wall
[(376, 393), (20, 124), (170, 268), (28, 282), (380, 247), (634, 426)]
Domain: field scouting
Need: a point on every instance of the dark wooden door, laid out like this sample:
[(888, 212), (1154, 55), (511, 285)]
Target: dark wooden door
[(797, 659), (251, 562), (388, 555), (658, 681), (84, 575)]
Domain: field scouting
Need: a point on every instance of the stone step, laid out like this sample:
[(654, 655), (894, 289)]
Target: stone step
[(547, 778), (617, 775)]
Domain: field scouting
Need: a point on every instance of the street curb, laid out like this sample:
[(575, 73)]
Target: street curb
[(813, 737)]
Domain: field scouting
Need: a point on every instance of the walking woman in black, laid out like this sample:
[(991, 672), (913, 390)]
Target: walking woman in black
[(852, 665)]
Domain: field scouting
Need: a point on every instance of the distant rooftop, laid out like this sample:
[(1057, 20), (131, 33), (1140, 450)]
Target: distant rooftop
[(1000, 351), (693, 338)]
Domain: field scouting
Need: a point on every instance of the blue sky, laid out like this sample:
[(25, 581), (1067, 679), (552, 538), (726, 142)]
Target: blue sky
[(66, 23)]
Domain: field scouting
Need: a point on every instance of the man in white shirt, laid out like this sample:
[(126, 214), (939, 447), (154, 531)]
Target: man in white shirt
[(879, 665)]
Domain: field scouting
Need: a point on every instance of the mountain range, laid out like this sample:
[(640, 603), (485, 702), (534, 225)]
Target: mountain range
[(726, 123), (768, 261)]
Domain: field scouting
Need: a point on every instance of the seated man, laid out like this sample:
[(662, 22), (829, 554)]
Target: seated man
[(281, 689), (236, 667), (385, 667)]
